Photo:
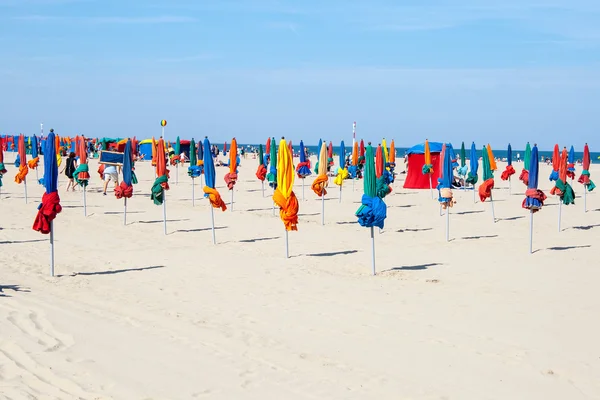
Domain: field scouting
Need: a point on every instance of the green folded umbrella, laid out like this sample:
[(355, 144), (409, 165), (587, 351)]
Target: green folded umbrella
[(193, 159), (261, 156), (527, 159), (463, 155), (487, 169)]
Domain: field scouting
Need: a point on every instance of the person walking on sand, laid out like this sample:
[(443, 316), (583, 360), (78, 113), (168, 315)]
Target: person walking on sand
[(111, 174), (69, 168)]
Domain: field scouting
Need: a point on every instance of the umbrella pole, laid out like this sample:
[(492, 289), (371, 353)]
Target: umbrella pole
[(373, 250), (51, 248), (492, 203), (287, 245), (262, 184), (430, 187), (447, 224), (25, 188), (530, 231), (84, 203), (231, 199), (165, 210), (559, 213), (509, 186), (302, 189), (177, 173), (584, 199), (124, 211), (323, 209), (193, 192), (273, 202), (212, 220), (474, 199), (340, 193), (37, 178)]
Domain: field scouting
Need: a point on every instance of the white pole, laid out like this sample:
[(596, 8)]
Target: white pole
[(262, 184), (25, 188), (193, 190), (323, 209), (509, 186), (287, 246), (584, 198), (124, 211), (165, 210), (177, 173), (212, 218), (340, 193), (51, 248), (273, 201), (373, 250), (474, 198), (559, 213), (231, 199), (303, 189), (530, 231), (353, 184), (492, 203), (447, 224), (84, 203), (37, 178), (430, 186)]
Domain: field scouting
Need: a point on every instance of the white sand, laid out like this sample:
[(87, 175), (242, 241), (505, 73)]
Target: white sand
[(135, 314)]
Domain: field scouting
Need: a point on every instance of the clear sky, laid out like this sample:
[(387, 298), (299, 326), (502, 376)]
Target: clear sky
[(484, 70)]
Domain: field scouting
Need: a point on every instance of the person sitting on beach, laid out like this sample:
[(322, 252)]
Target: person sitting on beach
[(111, 174)]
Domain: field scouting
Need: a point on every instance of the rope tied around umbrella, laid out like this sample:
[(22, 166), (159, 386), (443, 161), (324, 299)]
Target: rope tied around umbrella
[(175, 159), (33, 163), (585, 180), (342, 174), (261, 172), (158, 187), (571, 170), (319, 185), (272, 176), (82, 175), (372, 212), (485, 189), (230, 180), (508, 172), (524, 177), (288, 209), (215, 198), (446, 198), (195, 171), (553, 176), (303, 169), (124, 190), (534, 200), (22, 174), (462, 171), (472, 178), (388, 177), (383, 189), (47, 211), (564, 191), (427, 169)]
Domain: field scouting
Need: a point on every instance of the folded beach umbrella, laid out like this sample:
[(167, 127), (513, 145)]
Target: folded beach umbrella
[(524, 177), (329, 155), (555, 164), (283, 195), (445, 187), (82, 172), (388, 176), (175, 159), (373, 211), (472, 177), (571, 164), (303, 168), (493, 165), (320, 183), (2, 167), (209, 190), (485, 189), (379, 162), (21, 163), (272, 175), (463, 169), (535, 198), (510, 170), (392, 159), (342, 172), (161, 184), (361, 153), (268, 148), (584, 179), (428, 166), (231, 177), (261, 172), (125, 189), (153, 152), (35, 159), (291, 149), (562, 189), (194, 170), (224, 149), (50, 205), (382, 175)]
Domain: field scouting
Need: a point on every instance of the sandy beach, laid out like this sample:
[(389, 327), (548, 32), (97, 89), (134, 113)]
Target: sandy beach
[(135, 314)]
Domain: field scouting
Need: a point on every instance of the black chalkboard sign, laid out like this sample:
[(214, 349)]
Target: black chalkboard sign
[(111, 158)]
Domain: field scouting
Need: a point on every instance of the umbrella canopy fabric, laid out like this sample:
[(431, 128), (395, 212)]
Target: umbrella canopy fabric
[(342, 157), (321, 181), (193, 150), (373, 210), (392, 160), (2, 167), (125, 188), (342, 172), (492, 159), (445, 182), (510, 170), (303, 168), (22, 161), (463, 170), (268, 148), (561, 187), (555, 164), (33, 163), (225, 149), (82, 173), (283, 195), (485, 189), (571, 163), (524, 177), (379, 162), (386, 153), (383, 176), (329, 155), (261, 172), (162, 174), (272, 175), (472, 177), (427, 167), (535, 198), (353, 169), (231, 177), (50, 205), (209, 179), (194, 170), (584, 178)]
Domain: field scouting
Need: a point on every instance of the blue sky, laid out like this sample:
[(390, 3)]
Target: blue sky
[(484, 70)]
